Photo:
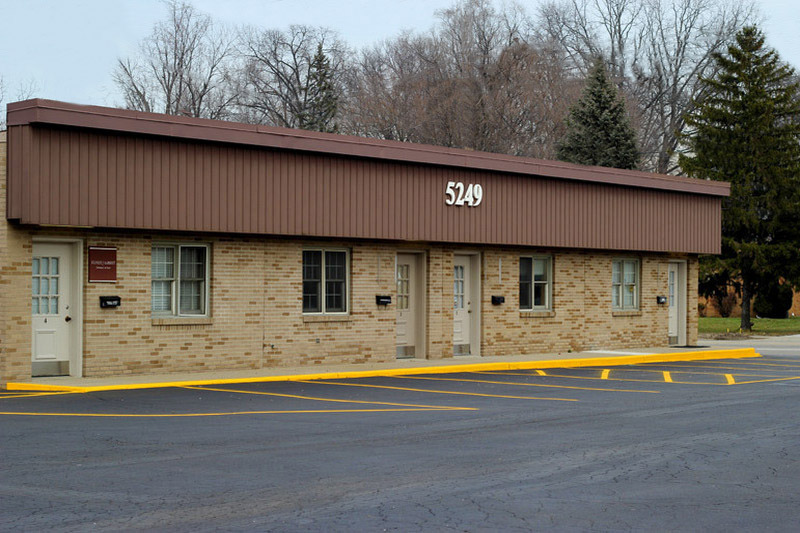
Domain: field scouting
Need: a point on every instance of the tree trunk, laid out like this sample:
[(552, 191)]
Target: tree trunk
[(747, 295)]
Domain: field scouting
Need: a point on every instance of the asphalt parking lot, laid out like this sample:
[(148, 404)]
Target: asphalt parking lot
[(704, 445)]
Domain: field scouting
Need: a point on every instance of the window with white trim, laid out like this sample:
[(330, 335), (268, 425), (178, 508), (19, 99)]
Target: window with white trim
[(179, 280), (625, 284), (326, 276), (535, 283)]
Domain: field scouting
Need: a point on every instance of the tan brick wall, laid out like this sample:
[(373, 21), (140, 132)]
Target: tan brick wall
[(581, 317), (256, 305), (15, 290)]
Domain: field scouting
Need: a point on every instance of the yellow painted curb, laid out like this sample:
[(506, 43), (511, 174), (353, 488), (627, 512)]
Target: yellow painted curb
[(737, 353)]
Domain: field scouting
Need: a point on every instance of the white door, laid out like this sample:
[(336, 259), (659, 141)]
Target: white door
[(462, 304), (51, 303), (406, 305), (674, 302)]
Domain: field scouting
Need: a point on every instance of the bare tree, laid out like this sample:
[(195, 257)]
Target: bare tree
[(2, 104), (184, 67), (278, 69), (655, 49), (25, 90)]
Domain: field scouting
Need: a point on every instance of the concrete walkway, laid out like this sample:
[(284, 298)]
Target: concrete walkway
[(396, 367)]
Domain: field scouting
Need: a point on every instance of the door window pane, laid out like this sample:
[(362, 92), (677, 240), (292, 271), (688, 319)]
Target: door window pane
[(402, 287), (458, 287)]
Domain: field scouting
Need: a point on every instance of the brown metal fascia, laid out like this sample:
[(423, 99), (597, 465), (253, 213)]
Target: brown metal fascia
[(136, 122)]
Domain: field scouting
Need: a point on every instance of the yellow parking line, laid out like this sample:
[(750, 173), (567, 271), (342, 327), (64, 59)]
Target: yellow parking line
[(30, 394), (752, 363), (528, 384), (776, 360), (234, 413), (633, 380), (572, 377), (326, 382), (729, 379), (541, 372), (699, 372), (721, 367), (767, 380), (605, 373), (667, 377), (324, 399)]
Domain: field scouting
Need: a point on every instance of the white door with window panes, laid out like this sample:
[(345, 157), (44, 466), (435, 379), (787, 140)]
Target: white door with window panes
[(51, 309), (461, 304), (676, 302), (406, 305), (672, 303)]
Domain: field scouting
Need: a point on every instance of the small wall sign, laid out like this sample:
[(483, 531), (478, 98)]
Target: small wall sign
[(102, 265)]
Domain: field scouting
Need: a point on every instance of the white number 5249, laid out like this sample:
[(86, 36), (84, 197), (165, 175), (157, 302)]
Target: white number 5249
[(457, 194)]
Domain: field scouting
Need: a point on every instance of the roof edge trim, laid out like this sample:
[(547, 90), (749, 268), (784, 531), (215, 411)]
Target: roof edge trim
[(40, 111)]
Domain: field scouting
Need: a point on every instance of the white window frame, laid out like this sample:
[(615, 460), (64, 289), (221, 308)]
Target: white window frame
[(175, 296), (322, 295), (548, 293), (620, 287)]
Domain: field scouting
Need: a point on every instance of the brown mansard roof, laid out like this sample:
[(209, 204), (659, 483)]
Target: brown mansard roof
[(121, 120)]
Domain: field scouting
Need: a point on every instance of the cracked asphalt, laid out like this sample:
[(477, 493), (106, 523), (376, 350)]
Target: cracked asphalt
[(673, 447)]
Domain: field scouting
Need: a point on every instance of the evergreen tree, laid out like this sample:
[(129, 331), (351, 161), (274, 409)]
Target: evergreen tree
[(598, 130), (747, 131), (321, 98)]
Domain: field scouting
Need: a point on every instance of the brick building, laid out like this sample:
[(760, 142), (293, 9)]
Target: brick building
[(145, 243)]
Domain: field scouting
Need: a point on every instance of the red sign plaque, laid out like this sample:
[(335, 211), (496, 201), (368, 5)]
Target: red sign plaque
[(102, 265)]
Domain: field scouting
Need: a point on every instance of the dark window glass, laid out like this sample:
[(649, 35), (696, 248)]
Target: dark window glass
[(539, 294), (525, 269), (335, 281), (312, 281), (191, 298)]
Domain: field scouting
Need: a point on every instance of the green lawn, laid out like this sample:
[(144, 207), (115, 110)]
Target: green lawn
[(761, 326)]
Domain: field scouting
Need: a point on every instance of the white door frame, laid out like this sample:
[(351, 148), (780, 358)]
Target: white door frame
[(76, 285), (681, 292), (420, 299), (476, 296)]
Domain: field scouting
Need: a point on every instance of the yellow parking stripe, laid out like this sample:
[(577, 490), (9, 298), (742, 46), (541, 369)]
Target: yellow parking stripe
[(326, 382), (729, 379), (528, 384), (633, 380), (541, 372), (698, 372), (718, 366), (324, 399), (551, 375), (31, 394), (234, 413), (605, 373), (667, 377), (767, 380)]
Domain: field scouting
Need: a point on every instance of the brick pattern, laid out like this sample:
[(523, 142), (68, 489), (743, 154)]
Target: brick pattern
[(581, 317), (256, 305)]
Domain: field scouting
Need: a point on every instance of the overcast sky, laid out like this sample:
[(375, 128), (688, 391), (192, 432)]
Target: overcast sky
[(68, 48)]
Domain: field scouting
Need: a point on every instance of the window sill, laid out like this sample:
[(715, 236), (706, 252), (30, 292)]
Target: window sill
[(183, 321), (632, 312), (310, 319), (537, 314)]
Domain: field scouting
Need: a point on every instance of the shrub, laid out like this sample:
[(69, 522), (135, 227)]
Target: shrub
[(773, 301)]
